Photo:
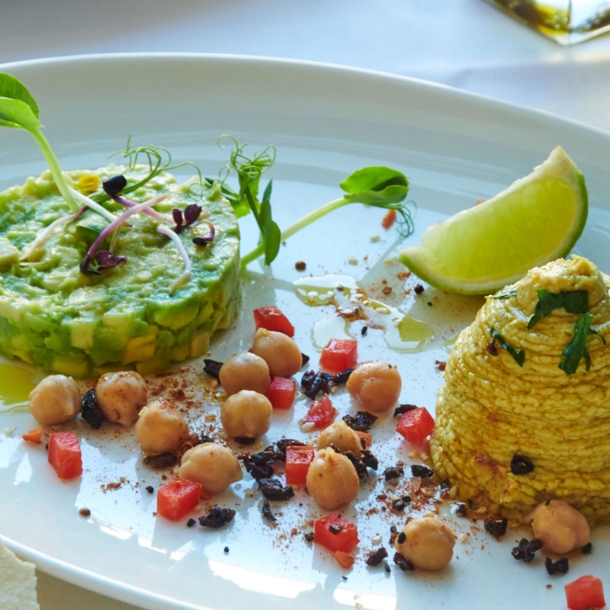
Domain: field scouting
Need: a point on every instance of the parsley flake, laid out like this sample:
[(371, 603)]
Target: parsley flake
[(577, 347), (517, 354), (575, 301)]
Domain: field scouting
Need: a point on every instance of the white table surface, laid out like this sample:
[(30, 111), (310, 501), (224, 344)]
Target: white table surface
[(463, 43)]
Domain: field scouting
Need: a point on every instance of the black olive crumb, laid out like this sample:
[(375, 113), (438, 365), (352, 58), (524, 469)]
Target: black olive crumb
[(190, 523), (401, 538), (150, 489), (561, 566), (526, 550), (429, 303), (403, 563), (461, 510), (377, 557), (304, 359), (386, 567), (364, 330), (344, 577), (441, 365), (226, 549), (521, 465), (217, 517), (300, 266), (398, 505), (335, 529), (393, 472), (419, 289), (393, 529), (496, 527), (161, 461), (403, 409), (212, 367), (267, 512), (361, 422), (309, 536), (418, 470), (84, 512)]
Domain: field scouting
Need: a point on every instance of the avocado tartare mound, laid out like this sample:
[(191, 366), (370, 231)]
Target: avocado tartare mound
[(63, 321), (510, 437)]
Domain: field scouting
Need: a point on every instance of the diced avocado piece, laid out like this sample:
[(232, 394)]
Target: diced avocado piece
[(81, 333), (9, 254), (89, 226), (70, 368), (139, 348), (180, 353), (108, 346), (9, 311), (177, 315), (151, 366), (199, 345)]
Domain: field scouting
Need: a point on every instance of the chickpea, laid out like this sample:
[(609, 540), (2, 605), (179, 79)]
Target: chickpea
[(56, 399), (246, 414), (375, 385), (121, 395), (279, 351), (427, 543), (160, 427), (560, 527), (245, 372), (332, 479), (212, 465), (341, 436)]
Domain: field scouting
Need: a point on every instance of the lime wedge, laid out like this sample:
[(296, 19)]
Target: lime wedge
[(535, 220)]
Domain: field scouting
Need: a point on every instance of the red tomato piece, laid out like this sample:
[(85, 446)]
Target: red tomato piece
[(298, 459), (336, 533), (271, 318), (585, 592), (416, 425), (321, 413), (281, 392), (65, 455), (177, 498), (339, 355)]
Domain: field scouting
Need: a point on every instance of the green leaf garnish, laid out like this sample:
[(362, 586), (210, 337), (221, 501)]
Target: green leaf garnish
[(577, 347), (375, 186), (517, 354), (575, 301), (19, 110)]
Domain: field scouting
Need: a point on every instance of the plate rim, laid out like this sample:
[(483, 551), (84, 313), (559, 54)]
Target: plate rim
[(135, 595)]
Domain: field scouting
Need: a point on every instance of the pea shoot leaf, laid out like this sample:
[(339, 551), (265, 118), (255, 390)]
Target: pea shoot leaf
[(574, 301), (271, 234), (375, 184)]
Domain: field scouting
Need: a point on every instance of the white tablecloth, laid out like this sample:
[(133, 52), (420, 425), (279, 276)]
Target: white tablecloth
[(462, 43)]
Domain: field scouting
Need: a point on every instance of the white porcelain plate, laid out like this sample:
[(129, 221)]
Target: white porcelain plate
[(325, 122)]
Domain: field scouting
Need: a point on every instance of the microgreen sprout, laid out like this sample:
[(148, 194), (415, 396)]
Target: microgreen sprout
[(186, 274), (48, 231), (191, 214), (90, 257), (200, 240), (374, 186)]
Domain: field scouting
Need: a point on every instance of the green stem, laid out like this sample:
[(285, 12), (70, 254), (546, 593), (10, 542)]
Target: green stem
[(296, 227), (55, 168)]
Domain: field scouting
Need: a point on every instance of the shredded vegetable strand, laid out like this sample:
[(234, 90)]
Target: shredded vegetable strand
[(152, 213), (118, 221), (183, 253), (42, 237), (96, 207)]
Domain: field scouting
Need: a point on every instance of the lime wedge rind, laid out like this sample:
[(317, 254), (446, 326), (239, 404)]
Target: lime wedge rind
[(480, 250)]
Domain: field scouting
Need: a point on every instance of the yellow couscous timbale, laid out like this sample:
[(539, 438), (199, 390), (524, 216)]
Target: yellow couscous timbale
[(490, 409)]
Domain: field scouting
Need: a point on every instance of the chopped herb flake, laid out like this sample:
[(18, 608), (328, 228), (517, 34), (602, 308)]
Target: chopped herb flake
[(517, 354), (575, 301), (577, 347)]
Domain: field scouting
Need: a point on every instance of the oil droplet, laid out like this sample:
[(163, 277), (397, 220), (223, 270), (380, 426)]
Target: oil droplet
[(404, 333), (449, 344), (333, 327), (16, 383), (323, 290)]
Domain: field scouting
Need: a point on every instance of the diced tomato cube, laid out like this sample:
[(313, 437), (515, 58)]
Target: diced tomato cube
[(65, 455), (339, 355), (416, 425), (336, 533), (298, 459), (33, 436), (271, 318), (321, 413), (177, 498), (281, 392), (585, 592)]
